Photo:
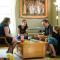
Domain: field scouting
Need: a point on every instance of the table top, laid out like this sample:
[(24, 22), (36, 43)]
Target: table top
[(31, 41)]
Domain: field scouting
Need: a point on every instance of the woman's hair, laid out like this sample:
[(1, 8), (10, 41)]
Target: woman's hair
[(23, 20), (57, 29), (26, 22), (6, 21)]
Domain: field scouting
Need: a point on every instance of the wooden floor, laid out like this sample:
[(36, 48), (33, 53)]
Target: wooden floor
[(47, 58), (19, 58)]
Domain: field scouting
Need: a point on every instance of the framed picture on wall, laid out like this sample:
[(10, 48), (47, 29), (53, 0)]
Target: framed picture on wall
[(33, 8)]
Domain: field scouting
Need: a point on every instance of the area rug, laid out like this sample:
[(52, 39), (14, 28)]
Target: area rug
[(4, 55)]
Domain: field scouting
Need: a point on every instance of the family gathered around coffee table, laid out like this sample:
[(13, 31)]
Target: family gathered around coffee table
[(51, 37)]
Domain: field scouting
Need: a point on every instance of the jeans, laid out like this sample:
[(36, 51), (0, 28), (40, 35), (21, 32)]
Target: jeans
[(52, 40)]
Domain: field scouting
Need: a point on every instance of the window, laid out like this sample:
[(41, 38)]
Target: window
[(7, 9), (58, 3)]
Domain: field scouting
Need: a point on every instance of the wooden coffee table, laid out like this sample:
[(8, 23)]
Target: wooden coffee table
[(33, 49)]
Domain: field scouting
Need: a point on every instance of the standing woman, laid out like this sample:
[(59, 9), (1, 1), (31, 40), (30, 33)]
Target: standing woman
[(22, 30), (5, 32)]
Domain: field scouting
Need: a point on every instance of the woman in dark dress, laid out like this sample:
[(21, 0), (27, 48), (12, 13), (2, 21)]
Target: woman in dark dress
[(5, 32), (22, 30)]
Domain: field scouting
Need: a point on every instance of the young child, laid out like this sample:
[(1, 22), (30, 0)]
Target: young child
[(54, 39), (22, 30)]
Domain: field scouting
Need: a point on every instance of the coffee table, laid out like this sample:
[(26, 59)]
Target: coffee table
[(33, 49)]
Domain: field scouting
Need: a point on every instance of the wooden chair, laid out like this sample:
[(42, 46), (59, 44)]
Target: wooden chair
[(5, 41)]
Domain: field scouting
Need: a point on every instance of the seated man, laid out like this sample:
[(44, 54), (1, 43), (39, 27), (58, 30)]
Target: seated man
[(5, 32), (52, 34)]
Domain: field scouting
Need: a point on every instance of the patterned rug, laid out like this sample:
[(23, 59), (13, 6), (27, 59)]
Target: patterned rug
[(3, 52), (4, 55)]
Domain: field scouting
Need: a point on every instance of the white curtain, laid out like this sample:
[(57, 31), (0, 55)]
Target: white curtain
[(58, 3), (7, 9)]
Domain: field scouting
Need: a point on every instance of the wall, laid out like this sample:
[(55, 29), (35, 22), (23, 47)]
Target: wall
[(33, 22), (59, 18), (53, 13)]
